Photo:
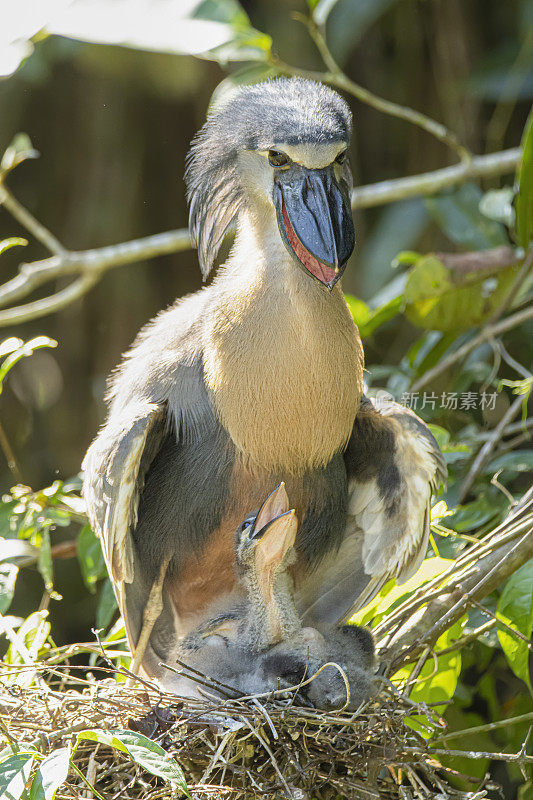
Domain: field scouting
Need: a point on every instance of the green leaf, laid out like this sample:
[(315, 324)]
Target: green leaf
[(471, 516), (7, 244), (368, 320), (515, 608), (8, 577), (18, 151), (52, 773), (29, 645), (524, 199), (406, 258), (26, 349), (14, 775), (458, 720), (435, 298), (517, 461), (457, 214), (143, 751), (429, 349), (91, 558), (358, 309)]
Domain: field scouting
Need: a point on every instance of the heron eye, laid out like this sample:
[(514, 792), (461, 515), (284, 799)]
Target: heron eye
[(248, 522), (341, 158), (277, 159)]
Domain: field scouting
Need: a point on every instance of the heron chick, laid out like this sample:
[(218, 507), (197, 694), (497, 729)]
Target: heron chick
[(260, 645)]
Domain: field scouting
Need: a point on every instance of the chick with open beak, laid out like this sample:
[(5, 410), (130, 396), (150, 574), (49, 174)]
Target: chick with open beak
[(260, 644)]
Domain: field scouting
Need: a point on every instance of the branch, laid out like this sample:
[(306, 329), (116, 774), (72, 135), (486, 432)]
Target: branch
[(29, 222), (474, 575), (92, 264), (476, 263), (336, 77), (489, 332), (484, 453), (430, 183)]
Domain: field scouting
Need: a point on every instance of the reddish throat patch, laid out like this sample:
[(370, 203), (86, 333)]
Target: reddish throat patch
[(321, 271)]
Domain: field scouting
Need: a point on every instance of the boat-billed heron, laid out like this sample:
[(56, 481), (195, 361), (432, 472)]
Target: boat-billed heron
[(258, 644), (256, 379)]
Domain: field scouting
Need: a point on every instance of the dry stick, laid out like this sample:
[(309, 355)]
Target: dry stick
[(497, 621), (423, 596), (471, 754), (490, 726), (484, 453), (28, 221), (492, 568), (205, 680), (432, 589), (488, 332), (92, 264), (470, 637), (86, 781), (466, 598)]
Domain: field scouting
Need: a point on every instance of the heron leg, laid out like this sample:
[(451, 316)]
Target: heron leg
[(152, 610)]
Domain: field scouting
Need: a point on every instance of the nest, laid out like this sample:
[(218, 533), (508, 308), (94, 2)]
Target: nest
[(264, 747)]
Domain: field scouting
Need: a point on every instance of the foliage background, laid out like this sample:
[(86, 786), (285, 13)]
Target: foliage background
[(114, 125)]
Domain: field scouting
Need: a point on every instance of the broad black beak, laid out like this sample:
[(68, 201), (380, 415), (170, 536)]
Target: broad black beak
[(315, 221)]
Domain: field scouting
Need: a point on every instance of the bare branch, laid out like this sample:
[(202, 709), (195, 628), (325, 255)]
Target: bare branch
[(48, 305), (430, 183), (90, 265), (29, 222), (336, 77), (484, 454), (480, 261), (489, 332), (97, 260), (492, 560)]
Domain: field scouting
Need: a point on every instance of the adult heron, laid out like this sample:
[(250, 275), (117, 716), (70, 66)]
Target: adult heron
[(258, 379)]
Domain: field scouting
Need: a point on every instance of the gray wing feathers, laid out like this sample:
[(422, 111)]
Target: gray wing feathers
[(339, 577), (159, 382), (114, 475), (395, 522)]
